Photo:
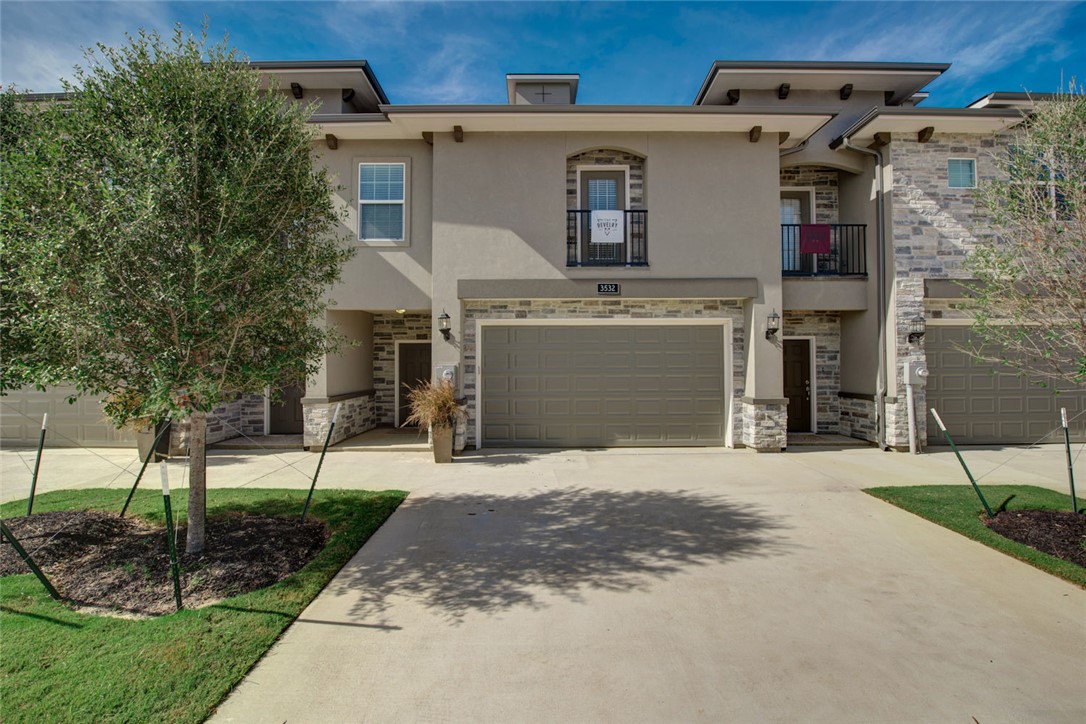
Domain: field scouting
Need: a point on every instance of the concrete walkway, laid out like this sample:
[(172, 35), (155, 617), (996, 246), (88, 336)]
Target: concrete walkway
[(671, 586)]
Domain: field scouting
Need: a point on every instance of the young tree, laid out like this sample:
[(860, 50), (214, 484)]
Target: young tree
[(167, 239), (1029, 301)]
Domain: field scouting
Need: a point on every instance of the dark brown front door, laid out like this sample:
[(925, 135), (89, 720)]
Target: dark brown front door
[(797, 383), (414, 367), (286, 417)]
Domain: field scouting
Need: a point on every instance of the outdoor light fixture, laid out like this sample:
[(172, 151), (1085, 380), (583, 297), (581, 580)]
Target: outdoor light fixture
[(772, 324), (443, 324), (917, 327)]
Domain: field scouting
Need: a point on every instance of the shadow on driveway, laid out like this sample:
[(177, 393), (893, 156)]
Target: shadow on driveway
[(456, 554)]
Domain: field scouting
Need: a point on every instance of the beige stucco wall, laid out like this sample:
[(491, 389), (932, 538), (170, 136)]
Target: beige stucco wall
[(384, 277), (352, 369), (499, 213)]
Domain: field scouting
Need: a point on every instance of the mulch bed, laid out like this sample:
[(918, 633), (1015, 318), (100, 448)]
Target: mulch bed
[(97, 559), (1058, 533)]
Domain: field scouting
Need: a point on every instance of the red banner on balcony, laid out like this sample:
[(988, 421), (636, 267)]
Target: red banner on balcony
[(814, 238)]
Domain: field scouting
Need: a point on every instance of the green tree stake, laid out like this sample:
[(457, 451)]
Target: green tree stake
[(169, 536), (154, 446), (327, 439), (37, 465), (965, 467), (29, 561), (1070, 462)]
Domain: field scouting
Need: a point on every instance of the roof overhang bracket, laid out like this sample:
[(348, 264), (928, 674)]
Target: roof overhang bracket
[(783, 137), (846, 91), (882, 138), (458, 134), (733, 96), (296, 90), (331, 140), (428, 136), (782, 91), (924, 134), (755, 134)]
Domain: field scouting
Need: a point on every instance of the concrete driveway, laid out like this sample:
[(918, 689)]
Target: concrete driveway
[(702, 586)]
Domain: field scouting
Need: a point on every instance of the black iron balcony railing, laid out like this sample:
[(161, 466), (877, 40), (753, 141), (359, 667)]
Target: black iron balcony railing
[(583, 250), (847, 255)]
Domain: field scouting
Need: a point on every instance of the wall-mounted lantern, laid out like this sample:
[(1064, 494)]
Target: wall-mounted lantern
[(917, 327), (444, 324), (772, 324)]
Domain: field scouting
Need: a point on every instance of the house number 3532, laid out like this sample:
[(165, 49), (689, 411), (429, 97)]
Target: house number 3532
[(607, 289)]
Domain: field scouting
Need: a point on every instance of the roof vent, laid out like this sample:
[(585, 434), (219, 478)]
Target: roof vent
[(542, 89)]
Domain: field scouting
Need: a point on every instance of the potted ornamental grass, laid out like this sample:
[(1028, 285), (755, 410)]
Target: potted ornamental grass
[(434, 405)]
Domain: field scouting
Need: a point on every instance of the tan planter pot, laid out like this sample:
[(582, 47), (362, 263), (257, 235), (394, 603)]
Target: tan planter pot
[(443, 443)]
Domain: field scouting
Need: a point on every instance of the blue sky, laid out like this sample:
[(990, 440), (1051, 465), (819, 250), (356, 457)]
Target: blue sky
[(640, 52)]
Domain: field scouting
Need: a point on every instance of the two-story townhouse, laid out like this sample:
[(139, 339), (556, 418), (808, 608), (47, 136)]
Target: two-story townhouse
[(757, 263)]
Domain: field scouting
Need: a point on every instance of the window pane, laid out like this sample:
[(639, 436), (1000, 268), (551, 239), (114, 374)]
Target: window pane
[(961, 173), (382, 221), (380, 182), (602, 194), (791, 211)]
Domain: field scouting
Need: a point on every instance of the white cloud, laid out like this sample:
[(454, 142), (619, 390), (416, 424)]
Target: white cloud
[(40, 42)]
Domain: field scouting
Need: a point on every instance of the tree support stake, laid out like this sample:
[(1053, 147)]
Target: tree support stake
[(327, 439), (29, 561), (1070, 461), (37, 465), (151, 454), (965, 467), (169, 536)]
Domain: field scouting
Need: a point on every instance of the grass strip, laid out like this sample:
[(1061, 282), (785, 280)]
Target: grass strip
[(59, 665), (957, 507)]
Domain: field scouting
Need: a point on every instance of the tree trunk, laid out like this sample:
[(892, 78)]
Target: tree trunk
[(194, 543)]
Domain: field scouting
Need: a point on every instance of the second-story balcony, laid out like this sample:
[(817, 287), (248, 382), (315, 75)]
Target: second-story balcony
[(847, 255), (628, 246)]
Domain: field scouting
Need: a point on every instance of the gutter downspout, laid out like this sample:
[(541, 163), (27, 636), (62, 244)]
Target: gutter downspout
[(795, 149), (880, 275)]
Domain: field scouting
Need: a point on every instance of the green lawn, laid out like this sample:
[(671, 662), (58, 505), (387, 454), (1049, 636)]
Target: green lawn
[(957, 507), (58, 665)]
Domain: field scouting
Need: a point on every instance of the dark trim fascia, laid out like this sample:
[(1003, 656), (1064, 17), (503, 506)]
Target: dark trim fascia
[(362, 65), (844, 66), (349, 118), (1013, 96), (41, 97), (948, 288), (338, 398), (875, 113), (720, 288), (555, 108)]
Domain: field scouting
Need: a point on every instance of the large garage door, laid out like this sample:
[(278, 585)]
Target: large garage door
[(982, 407), (81, 423), (602, 386)]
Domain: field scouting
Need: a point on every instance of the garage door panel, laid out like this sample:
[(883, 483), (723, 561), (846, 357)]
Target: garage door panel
[(984, 404), (601, 385), (81, 423)]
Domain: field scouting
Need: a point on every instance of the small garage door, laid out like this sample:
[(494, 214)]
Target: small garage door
[(980, 406), (603, 386), (81, 423)]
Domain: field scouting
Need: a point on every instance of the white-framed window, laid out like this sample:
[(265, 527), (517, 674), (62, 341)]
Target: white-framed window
[(383, 190), (961, 173)]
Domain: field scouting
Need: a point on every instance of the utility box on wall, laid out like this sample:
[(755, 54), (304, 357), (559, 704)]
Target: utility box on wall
[(446, 372), (916, 373)]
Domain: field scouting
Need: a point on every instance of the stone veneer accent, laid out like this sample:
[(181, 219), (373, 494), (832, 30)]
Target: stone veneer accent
[(243, 415), (858, 418), (765, 426), (607, 157), (355, 417), (825, 327), (602, 309), (824, 181), (387, 328), (934, 229)]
